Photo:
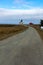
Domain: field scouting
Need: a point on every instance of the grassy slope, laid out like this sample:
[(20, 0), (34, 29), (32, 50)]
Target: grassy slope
[(37, 27), (9, 30)]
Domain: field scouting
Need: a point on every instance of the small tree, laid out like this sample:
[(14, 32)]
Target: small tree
[(21, 22), (41, 23)]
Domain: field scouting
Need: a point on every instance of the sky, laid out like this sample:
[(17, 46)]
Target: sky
[(12, 11)]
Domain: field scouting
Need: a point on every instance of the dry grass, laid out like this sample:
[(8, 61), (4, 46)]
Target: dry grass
[(9, 30), (37, 27)]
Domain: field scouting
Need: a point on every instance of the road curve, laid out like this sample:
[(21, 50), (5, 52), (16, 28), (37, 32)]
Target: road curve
[(23, 49)]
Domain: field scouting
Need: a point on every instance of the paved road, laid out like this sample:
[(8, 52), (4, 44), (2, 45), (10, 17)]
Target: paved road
[(23, 49)]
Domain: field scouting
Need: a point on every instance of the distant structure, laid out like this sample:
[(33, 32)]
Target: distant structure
[(30, 23), (21, 22)]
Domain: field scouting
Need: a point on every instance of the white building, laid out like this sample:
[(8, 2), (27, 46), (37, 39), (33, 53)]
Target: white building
[(41, 27)]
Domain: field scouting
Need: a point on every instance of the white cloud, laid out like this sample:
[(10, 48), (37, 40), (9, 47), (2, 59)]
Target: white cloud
[(11, 14), (22, 4), (7, 12)]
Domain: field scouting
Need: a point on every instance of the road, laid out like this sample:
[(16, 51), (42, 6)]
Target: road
[(25, 48)]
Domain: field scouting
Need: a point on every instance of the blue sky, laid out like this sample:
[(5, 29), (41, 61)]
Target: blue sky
[(21, 4), (13, 10), (6, 3)]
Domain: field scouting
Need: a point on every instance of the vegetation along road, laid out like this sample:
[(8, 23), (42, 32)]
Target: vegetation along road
[(25, 48)]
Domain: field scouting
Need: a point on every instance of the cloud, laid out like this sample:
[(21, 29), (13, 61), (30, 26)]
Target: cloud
[(22, 4), (26, 4), (21, 9), (12, 14), (7, 12)]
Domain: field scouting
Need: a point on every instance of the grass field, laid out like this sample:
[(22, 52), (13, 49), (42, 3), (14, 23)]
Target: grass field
[(37, 27), (9, 30)]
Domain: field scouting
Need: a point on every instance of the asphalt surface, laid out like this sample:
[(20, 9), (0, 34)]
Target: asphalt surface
[(22, 49)]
